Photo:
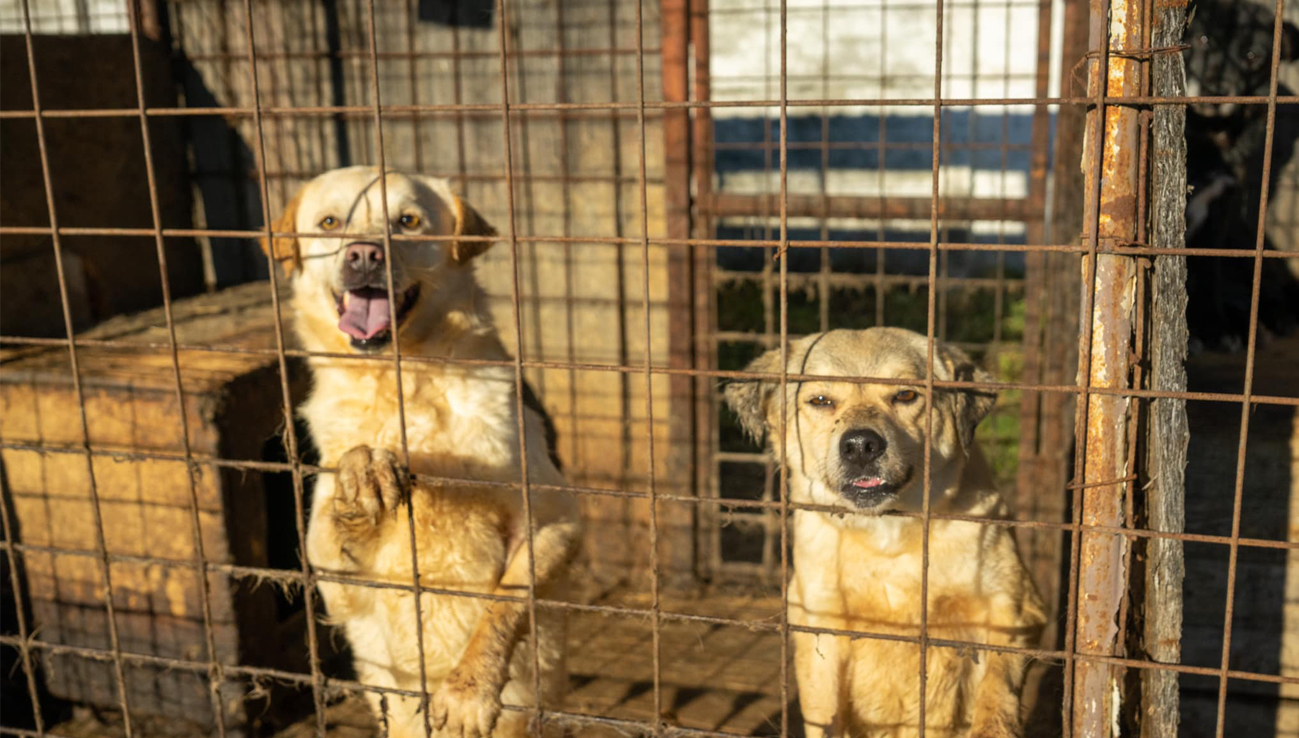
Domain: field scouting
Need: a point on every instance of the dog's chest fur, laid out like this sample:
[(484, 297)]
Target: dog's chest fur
[(455, 421), (877, 581), (870, 581)]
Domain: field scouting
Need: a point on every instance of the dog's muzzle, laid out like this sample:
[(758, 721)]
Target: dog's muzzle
[(860, 450), (365, 313)]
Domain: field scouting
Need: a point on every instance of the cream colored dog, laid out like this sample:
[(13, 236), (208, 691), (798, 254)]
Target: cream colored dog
[(858, 449), (460, 422)]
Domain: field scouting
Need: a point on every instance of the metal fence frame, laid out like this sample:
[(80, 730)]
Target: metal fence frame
[(1119, 47)]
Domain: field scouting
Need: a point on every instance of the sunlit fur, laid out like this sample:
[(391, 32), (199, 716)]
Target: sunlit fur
[(460, 421), (860, 570)]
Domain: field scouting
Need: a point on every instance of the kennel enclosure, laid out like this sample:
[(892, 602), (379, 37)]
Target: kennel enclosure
[(680, 185)]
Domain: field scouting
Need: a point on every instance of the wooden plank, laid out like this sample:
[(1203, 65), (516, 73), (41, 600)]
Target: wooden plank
[(1168, 433)]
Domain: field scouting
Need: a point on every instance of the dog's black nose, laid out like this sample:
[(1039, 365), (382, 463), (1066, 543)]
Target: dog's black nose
[(861, 446), (364, 257)]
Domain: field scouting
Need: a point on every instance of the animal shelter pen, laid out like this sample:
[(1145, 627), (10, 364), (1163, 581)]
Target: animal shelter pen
[(700, 263)]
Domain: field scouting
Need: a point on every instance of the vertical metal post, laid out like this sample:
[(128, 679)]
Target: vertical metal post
[(96, 508), (1111, 167), (707, 439), (655, 571), (1041, 547), (1044, 460), (675, 55)]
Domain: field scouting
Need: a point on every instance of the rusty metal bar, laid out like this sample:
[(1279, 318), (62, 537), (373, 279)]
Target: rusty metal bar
[(286, 396), (894, 208), (736, 505), (396, 358), (733, 504), (1044, 455), (1035, 273), (754, 625), (880, 254), (655, 573), (841, 279), (1110, 212), (707, 430), (931, 322), (566, 190), (394, 111), (617, 207), (457, 91), (826, 144), (782, 492), (675, 38), (1131, 248), (1250, 356), (412, 82), (136, 17), (101, 542), (823, 176), (364, 54), (772, 303), (712, 373)]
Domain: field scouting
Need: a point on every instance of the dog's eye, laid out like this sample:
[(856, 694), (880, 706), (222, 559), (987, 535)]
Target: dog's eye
[(821, 401), (906, 396), (328, 223), (409, 222)]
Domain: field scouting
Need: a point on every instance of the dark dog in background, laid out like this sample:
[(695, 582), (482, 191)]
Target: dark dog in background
[(1230, 55)]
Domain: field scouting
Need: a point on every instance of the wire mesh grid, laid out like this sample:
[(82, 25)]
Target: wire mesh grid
[(796, 225)]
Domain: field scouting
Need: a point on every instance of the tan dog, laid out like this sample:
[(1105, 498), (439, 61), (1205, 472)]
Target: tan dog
[(460, 421), (859, 448)]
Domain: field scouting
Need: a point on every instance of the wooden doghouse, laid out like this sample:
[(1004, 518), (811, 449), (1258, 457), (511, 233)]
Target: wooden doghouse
[(233, 403)]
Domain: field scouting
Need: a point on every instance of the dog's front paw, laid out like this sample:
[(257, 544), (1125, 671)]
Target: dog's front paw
[(370, 484), (465, 707)]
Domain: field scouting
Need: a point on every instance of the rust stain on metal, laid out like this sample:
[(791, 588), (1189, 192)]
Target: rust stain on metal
[(1109, 289)]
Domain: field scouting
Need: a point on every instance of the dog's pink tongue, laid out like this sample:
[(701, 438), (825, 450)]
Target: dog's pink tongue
[(367, 314)]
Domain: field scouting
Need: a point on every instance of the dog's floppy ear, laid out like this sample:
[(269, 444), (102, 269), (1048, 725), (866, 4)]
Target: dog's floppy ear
[(284, 249), (1289, 41), (469, 223), (969, 406), (748, 398)]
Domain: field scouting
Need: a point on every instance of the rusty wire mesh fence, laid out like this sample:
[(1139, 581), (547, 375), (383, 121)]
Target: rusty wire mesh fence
[(679, 186)]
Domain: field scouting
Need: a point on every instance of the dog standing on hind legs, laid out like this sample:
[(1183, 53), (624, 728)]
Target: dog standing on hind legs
[(461, 422), (855, 451)]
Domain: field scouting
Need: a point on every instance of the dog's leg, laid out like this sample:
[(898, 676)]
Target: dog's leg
[(820, 663), (469, 700), (820, 659), (816, 600), (1015, 618), (996, 698), (996, 704), (349, 517)]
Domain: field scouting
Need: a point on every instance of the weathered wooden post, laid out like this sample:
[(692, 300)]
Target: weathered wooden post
[(1167, 431)]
